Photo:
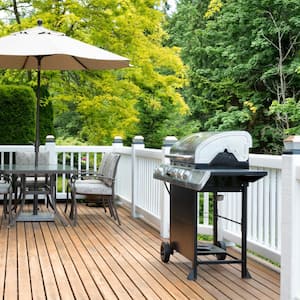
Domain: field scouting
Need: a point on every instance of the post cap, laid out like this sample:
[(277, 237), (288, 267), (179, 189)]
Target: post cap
[(138, 139), (118, 140), (292, 145), (169, 141), (50, 138)]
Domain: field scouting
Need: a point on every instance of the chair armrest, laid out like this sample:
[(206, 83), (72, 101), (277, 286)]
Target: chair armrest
[(90, 174), (105, 177), (6, 178), (109, 181)]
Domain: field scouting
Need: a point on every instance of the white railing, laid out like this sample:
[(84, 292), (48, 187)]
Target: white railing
[(264, 209), (135, 181)]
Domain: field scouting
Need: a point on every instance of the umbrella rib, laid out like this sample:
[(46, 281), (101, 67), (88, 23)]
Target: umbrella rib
[(37, 57), (83, 65), (25, 62)]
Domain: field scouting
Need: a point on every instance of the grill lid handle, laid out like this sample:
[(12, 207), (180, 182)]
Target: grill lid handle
[(179, 157)]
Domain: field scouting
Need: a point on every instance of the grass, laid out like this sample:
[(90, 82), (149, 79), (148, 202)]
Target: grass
[(205, 237), (59, 184), (263, 258)]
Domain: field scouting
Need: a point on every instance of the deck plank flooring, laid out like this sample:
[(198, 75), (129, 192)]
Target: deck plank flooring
[(98, 259)]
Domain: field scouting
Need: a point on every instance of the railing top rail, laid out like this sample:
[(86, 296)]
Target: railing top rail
[(123, 150), (266, 161), (14, 148), (149, 153), (69, 148)]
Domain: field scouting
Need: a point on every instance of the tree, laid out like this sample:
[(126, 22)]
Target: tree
[(115, 102), (243, 60)]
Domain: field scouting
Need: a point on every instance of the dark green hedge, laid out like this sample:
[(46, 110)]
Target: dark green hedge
[(17, 116)]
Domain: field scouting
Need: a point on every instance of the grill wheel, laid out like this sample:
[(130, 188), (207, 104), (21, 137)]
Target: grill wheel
[(221, 256), (165, 251)]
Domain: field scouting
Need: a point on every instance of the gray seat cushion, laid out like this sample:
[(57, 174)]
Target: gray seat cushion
[(4, 187), (92, 187)]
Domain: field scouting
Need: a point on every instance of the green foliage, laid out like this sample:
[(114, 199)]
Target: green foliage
[(17, 115), (46, 121), (28, 78), (232, 119), (69, 141), (46, 114), (98, 105), (68, 124), (289, 111), (241, 56)]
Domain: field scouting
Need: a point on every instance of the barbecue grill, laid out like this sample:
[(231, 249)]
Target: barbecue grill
[(206, 162)]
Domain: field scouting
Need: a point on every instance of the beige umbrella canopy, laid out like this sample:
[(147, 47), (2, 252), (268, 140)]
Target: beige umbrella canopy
[(42, 49)]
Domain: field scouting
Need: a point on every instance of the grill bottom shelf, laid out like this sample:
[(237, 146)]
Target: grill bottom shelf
[(207, 249)]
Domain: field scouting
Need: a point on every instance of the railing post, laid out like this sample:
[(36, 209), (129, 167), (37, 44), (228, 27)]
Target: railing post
[(165, 197), (137, 143), (50, 146), (290, 222), (117, 142)]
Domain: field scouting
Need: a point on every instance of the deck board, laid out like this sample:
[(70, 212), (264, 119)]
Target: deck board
[(98, 259)]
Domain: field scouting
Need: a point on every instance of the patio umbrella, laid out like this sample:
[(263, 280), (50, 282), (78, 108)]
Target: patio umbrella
[(42, 49)]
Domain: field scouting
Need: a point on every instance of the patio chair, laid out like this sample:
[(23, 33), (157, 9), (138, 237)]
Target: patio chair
[(6, 190), (100, 187), (27, 185)]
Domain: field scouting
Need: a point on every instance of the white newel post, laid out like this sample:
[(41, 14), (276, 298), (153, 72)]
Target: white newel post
[(117, 142), (290, 224), (50, 146), (165, 197), (137, 143)]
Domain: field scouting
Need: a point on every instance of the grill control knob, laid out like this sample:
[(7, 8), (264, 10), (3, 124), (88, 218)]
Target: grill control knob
[(173, 172), (170, 172), (186, 175), (179, 174), (159, 171)]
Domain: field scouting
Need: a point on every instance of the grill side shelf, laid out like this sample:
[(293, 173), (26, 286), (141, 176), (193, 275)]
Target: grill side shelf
[(197, 183), (207, 180)]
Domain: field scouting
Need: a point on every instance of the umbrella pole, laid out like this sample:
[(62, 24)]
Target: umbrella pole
[(37, 133), (37, 121)]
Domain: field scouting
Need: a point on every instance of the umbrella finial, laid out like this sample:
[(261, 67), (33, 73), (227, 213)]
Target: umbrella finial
[(40, 22)]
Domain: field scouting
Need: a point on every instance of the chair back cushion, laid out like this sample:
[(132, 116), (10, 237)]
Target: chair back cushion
[(104, 161), (28, 158), (109, 168)]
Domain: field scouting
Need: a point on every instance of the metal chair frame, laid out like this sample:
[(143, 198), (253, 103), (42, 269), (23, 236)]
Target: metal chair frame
[(105, 177)]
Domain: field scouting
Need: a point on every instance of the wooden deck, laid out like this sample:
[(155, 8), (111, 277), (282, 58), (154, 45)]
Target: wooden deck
[(98, 259)]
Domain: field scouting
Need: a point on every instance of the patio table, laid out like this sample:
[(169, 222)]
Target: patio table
[(25, 171)]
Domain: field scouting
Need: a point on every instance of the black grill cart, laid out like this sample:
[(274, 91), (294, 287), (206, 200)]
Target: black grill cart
[(206, 162)]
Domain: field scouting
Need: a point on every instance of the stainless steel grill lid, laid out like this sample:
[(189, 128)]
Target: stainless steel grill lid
[(202, 148)]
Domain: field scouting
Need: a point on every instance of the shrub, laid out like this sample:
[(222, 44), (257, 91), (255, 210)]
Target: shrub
[(17, 115)]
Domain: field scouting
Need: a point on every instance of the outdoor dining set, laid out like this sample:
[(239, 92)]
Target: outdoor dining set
[(25, 178), (39, 48)]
